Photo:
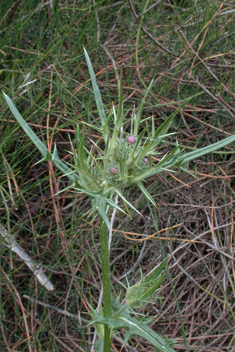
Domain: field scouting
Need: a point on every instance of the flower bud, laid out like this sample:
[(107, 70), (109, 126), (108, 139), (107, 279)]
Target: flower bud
[(113, 170), (131, 139), (146, 289), (146, 160)]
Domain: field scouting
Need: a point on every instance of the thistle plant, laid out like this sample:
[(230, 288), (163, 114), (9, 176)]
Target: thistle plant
[(122, 159)]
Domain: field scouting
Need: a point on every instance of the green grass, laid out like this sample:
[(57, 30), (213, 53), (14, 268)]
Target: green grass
[(45, 46)]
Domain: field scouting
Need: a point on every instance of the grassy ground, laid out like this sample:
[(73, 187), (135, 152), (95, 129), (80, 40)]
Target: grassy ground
[(188, 48)]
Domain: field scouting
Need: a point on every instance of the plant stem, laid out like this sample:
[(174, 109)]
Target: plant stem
[(104, 240)]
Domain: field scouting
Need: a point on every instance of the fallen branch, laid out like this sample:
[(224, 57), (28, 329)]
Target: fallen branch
[(10, 242)]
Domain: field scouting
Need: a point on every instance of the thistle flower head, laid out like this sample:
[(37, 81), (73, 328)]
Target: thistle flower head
[(112, 175), (113, 170), (131, 139)]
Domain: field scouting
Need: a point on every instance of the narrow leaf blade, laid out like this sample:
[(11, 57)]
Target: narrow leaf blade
[(96, 90), (38, 143)]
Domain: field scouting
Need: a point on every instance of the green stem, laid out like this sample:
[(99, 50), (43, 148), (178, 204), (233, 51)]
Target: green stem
[(104, 240)]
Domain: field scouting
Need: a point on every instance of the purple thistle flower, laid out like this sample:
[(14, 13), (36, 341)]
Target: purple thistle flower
[(131, 139), (113, 170)]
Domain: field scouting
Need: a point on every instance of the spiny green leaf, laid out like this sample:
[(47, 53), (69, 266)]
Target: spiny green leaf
[(162, 130), (136, 327), (100, 205), (126, 201), (158, 270), (120, 108), (145, 192), (55, 153), (96, 90), (140, 109), (114, 205), (38, 143), (206, 150), (41, 147)]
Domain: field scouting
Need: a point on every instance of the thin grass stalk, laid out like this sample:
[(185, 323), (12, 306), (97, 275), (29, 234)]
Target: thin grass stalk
[(105, 263)]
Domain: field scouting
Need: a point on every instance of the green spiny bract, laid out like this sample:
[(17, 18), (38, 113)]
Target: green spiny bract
[(121, 165), (112, 172), (122, 150)]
